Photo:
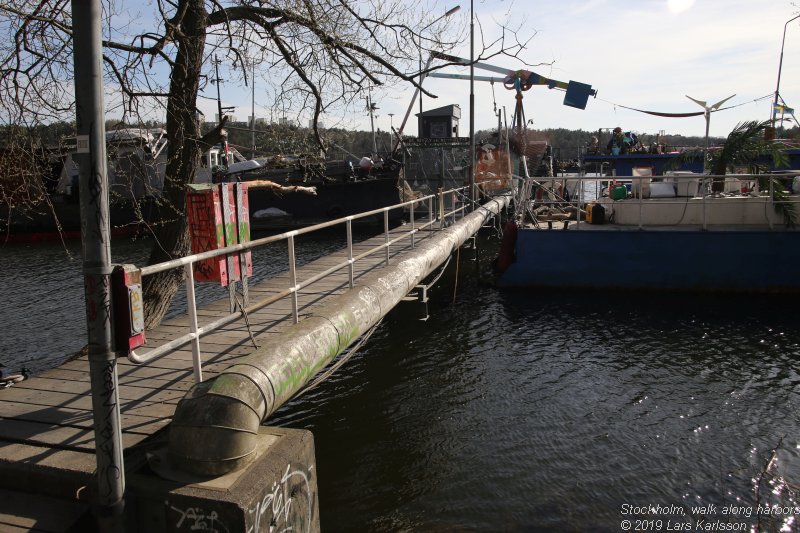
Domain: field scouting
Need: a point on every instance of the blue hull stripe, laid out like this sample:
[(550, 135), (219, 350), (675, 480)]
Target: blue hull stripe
[(689, 260)]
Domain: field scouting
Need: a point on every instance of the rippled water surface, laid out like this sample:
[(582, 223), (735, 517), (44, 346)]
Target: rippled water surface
[(526, 411), (529, 411)]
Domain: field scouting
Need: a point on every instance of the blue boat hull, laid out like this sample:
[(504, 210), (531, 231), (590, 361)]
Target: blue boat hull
[(761, 261)]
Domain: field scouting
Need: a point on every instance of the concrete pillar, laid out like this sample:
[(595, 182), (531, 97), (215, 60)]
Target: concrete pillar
[(276, 491)]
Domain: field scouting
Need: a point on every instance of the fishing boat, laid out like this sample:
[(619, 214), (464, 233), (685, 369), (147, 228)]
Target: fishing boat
[(343, 188), (137, 159), (651, 227), (136, 168)]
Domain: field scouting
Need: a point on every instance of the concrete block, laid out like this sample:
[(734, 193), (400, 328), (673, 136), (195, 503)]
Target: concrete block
[(22, 511), (42, 470), (276, 491)]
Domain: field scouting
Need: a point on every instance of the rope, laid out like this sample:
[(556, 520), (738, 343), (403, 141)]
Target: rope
[(240, 304)]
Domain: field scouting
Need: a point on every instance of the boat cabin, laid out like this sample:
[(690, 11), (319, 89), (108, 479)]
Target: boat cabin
[(440, 123)]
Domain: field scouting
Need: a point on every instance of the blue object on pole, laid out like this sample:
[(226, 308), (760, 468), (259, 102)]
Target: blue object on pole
[(578, 94)]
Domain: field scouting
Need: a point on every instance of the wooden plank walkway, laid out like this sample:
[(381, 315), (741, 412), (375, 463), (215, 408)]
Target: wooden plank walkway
[(46, 421)]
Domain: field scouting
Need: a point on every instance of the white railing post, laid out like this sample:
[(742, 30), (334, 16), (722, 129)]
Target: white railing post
[(705, 193), (293, 279), (351, 266), (191, 306), (441, 208), (771, 201), (412, 226), (430, 214), (386, 233), (641, 205)]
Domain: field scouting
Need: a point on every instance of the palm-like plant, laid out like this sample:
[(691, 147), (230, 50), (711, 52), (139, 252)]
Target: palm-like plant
[(746, 146)]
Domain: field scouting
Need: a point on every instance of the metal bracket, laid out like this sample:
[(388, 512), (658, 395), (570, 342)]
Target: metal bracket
[(419, 294)]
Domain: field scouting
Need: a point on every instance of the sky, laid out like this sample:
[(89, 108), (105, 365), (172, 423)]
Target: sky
[(644, 54)]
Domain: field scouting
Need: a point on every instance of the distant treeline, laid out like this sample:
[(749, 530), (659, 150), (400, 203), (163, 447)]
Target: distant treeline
[(288, 139)]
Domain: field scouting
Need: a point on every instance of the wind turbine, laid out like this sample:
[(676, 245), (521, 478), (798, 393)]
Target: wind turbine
[(709, 109)]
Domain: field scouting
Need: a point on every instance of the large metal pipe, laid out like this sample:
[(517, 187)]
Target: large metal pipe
[(215, 425)]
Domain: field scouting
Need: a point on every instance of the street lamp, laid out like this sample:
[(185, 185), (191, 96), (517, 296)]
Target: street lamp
[(780, 65), (447, 13)]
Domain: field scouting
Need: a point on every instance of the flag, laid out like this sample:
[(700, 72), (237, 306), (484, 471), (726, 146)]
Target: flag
[(782, 109)]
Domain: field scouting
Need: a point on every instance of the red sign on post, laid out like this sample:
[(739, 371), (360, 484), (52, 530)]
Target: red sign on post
[(219, 217), (126, 286)]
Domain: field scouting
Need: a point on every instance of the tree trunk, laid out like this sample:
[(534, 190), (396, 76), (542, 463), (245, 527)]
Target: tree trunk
[(183, 131)]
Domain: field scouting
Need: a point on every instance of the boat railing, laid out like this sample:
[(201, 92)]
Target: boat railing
[(777, 191), (443, 208)]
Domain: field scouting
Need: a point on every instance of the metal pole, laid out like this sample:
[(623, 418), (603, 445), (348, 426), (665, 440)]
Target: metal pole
[(372, 123), (219, 97), (472, 103), (421, 77), (391, 128), (253, 116), (219, 107), (91, 158), (780, 66)]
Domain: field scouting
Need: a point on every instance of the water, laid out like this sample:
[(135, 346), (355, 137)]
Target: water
[(41, 290), (526, 411)]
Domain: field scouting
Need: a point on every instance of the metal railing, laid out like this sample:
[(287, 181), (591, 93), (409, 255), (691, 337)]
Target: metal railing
[(753, 184), (437, 219)]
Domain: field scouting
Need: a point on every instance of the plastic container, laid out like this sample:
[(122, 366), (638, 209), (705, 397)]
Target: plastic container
[(619, 192)]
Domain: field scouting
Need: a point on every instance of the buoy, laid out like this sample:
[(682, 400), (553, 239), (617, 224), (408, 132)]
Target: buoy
[(507, 246)]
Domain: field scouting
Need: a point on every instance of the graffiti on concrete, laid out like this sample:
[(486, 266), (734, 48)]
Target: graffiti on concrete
[(197, 519), (288, 506)]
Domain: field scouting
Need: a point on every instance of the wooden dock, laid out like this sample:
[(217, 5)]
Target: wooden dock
[(46, 437)]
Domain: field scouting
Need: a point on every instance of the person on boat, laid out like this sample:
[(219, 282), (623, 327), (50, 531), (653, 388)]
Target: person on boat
[(630, 142), (594, 145), (616, 145)]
